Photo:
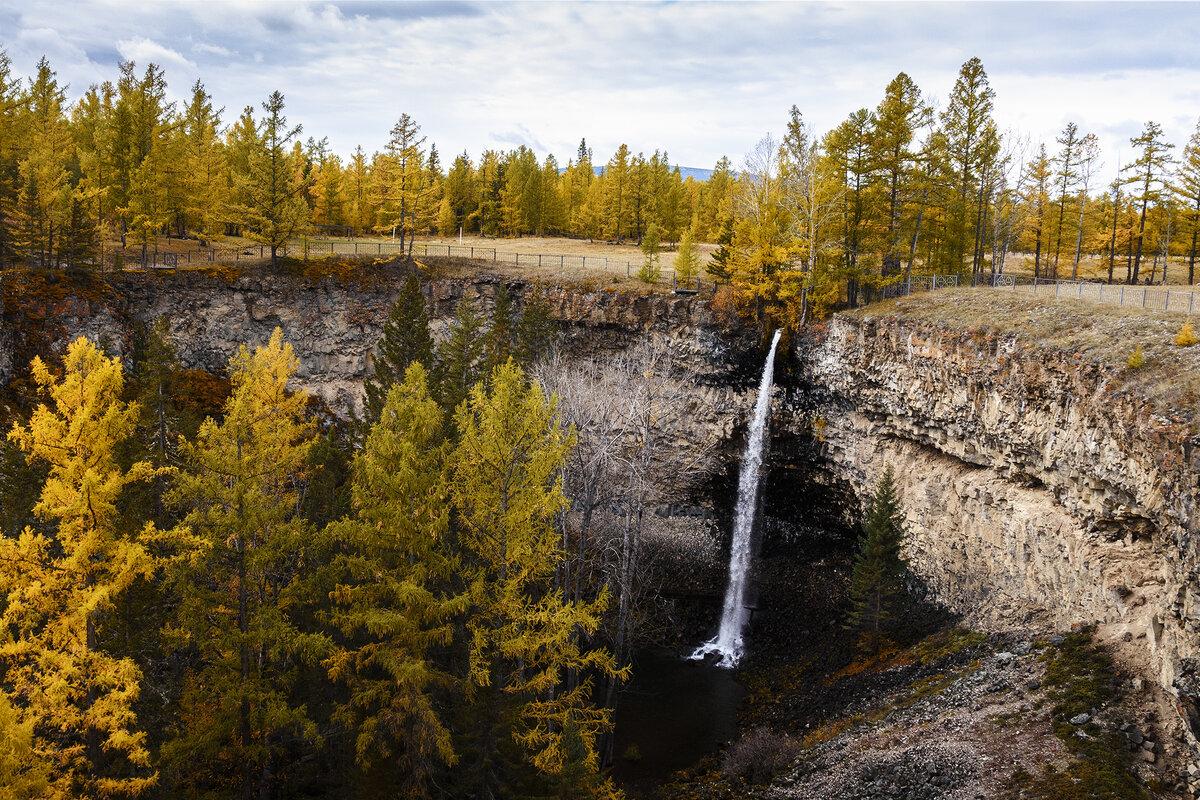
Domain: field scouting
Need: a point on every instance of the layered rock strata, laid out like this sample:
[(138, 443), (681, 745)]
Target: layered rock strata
[(1036, 493)]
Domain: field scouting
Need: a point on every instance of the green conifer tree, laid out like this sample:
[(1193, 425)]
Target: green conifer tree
[(536, 330), (405, 339), (879, 567), (242, 547), (502, 337), (461, 356)]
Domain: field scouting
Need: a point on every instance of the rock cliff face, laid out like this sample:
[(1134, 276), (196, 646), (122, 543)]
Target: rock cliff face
[(332, 323), (1035, 493)]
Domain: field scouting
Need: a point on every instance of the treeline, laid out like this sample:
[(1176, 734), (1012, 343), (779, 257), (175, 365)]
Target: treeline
[(439, 603), (125, 164), (906, 186)]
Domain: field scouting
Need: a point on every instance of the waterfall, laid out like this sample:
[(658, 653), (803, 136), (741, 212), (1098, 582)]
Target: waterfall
[(728, 641)]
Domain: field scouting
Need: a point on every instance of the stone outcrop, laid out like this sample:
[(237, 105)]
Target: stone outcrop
[(1035, 492), (332, 323)]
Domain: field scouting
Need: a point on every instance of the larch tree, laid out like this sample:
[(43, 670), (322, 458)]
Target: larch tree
[(240, 550), (899, 117), (276, 209), (1187, 187), (1147, 174), (402, 182), (971, 143), (59, 672), (390, 601), (524, 634), (45, 194), (1066, 174)]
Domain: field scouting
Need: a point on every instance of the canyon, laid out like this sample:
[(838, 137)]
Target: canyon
[(1039, 495)]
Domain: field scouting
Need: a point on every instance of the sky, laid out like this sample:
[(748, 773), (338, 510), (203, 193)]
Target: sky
[(697, 79)]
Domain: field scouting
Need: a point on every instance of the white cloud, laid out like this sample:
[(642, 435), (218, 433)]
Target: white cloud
[(145, 51), (699, 80)]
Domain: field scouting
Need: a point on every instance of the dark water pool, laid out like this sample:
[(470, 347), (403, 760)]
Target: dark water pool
[(676, 712)]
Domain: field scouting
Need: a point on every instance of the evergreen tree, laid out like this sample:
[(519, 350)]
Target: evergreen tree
[(405, 339), (461, 357), (242, 547), (502, 337), (389, 601), (536, 330), (59, 670), (879, 567)]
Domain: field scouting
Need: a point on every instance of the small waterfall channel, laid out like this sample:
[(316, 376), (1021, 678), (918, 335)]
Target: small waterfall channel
[(728, 642)]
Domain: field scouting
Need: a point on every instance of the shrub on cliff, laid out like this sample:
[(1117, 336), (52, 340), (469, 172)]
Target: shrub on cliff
[(879, 568)]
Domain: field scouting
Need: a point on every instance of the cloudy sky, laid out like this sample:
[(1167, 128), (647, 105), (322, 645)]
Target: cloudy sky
[(700, 80)]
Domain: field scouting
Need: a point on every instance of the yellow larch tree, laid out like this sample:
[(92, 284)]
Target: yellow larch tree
[(524, 634), (60, 586)]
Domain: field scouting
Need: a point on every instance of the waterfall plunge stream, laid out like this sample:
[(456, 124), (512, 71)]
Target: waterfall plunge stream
[(728, 641)]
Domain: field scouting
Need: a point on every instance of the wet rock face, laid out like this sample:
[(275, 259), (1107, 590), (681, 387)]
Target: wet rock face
[(1035, 493)]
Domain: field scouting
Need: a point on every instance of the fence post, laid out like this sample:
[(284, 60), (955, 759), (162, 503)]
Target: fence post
[(1081, 290), (908, 286), (1144, 291), (1167, 304), (560, 263), (627, 268), (1191, 299), (1056, 284)]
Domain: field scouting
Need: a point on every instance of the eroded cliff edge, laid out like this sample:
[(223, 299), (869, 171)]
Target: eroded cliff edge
[(1036, 492)]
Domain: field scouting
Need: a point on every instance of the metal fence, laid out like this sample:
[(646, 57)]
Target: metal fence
[(323, 249), (909, 285), (1156, 298)]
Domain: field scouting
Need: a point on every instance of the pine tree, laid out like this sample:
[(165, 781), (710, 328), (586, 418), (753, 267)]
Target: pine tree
[(405, 339), (242, 547), (58, 668), (879, 567), (524, 635), (389, 601)]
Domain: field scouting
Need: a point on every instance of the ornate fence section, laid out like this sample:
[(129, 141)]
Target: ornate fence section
[(1156, 298)]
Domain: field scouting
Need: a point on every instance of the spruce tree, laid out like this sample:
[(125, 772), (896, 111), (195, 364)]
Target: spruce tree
[(502, 338), (536, 331), (461, 356), (879, 567), (405, 339)]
